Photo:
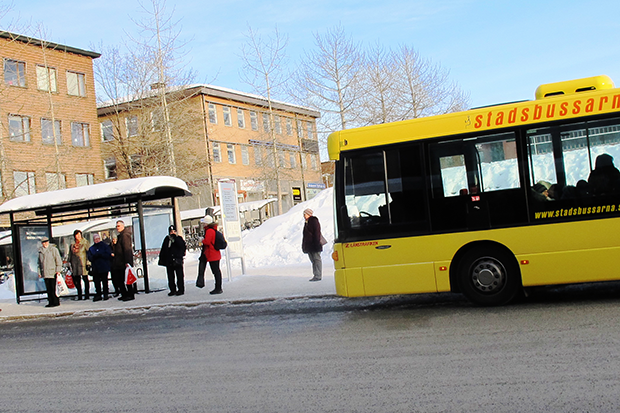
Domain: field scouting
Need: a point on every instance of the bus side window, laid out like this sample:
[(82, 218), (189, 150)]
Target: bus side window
[(365, 189)]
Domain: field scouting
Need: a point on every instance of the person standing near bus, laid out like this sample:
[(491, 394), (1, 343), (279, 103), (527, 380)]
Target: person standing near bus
[(50, 265), (78, 261), (311, 243), (123, 258)]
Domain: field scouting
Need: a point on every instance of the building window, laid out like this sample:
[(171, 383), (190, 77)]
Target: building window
[(131, 123), (265, 122), (19, 128), (84, 179), (14, 73), (278, 123), (258, 155), (289, 126), (46, 79), (55, 181), (157, 120), (245, 155), (300, 129), (217, 154), (281, 159), (304, 162), (107, 131), (314, 162), (231, 153), (254, 120), (135, 163), (109, 166), (48, 132), (291, 157), (309, 130), (212, 113), (240, 118), (24, 183), (227, 116), (79, 134), (75, 84)]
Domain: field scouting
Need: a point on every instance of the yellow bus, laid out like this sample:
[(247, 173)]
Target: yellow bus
[(483, 202)]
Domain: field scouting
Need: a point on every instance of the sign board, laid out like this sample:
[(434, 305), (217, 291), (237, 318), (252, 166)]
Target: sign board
[(313, 188), (296, 194), (231, 222)]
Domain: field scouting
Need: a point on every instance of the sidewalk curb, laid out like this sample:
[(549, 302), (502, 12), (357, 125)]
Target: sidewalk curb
[(97, 312)]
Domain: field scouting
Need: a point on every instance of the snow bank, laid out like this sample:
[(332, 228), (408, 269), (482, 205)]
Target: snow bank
[(278, 241)]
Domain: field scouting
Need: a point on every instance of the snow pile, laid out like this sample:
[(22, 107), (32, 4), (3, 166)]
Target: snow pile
[(278, 241)]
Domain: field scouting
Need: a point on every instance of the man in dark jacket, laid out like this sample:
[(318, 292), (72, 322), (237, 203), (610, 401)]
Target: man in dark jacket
[(171, 256), (100, 257), (311, 243), (123, 258)]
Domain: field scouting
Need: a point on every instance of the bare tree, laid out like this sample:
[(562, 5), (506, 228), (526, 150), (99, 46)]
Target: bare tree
[(263, 61), (377, 88), (145, 92), (425, 88), (327, 76)]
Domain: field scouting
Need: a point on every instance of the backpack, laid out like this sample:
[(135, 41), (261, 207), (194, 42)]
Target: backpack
[(219, 243)]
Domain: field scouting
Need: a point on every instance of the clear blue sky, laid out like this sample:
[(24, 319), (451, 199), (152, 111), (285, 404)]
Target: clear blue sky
[(498, 51)]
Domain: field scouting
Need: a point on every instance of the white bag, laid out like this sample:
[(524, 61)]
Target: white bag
[(130, 275), (61, 286)]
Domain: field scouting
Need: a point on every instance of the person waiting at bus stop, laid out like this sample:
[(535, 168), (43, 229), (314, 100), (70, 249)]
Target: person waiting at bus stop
[(123, 258), (171, 256), (78, 261), (50, 265), (311, 243), (211, 255), (100, 257)]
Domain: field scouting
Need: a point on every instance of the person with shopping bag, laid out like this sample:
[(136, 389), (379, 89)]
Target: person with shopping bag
[(79, 262), (50, 265), (122, 258)]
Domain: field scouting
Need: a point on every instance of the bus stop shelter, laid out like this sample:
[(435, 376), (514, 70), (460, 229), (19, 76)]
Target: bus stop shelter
[(33, 216)]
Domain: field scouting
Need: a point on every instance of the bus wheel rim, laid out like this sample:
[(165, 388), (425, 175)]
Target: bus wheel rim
[(488, 275)]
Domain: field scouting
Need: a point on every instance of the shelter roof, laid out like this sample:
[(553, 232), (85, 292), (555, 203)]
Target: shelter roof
[(99, 195)]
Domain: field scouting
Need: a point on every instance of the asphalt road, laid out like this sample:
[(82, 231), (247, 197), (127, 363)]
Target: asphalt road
[(558, 352)]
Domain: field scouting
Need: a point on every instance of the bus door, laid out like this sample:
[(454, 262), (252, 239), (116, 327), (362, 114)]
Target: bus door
[(476, 183), (382, 204), (457, 203)]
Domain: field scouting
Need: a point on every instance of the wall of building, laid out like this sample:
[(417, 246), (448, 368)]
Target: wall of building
[(32, 104), (233, 146)]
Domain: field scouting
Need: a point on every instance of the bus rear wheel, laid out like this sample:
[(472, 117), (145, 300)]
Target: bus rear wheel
[(489, 276)]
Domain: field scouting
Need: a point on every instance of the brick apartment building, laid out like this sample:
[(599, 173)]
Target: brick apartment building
[(218, 133), (48, 114)]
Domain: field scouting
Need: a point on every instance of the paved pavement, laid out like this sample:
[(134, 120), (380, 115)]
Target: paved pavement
[(258, 284)]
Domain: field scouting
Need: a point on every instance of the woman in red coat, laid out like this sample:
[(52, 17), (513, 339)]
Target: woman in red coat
[(211, 255)]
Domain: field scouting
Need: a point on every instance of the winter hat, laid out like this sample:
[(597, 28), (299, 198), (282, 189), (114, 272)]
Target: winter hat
[(540, 188), (172, 228), (208, 219), (308, 211)]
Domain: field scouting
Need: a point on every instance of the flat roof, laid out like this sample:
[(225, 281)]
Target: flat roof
[(207, 90), (46, 44)]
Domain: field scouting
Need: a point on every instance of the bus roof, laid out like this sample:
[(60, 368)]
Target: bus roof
[(562, 100)]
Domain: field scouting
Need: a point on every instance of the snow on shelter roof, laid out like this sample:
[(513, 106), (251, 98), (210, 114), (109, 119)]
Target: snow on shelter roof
[(100, 195)]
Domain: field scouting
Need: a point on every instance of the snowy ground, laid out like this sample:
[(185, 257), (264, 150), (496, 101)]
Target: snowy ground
[(269, 249)]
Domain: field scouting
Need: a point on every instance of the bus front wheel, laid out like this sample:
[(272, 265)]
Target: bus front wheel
[(489, 276)]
